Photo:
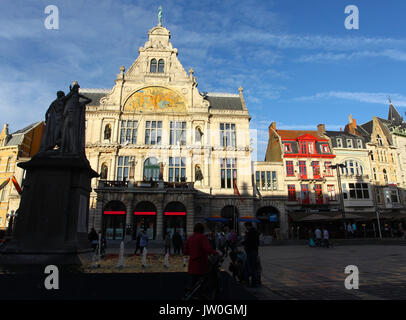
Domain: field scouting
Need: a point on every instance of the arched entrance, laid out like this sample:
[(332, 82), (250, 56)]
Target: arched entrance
[(151, 169), (175, 218), (114, 214), (145, 219), (270, 224), (231, 214)]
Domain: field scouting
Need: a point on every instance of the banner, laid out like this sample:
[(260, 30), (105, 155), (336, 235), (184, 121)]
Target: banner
[(16, 185)]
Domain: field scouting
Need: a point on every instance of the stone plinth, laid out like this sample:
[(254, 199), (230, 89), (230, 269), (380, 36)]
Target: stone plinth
[(51, 222)]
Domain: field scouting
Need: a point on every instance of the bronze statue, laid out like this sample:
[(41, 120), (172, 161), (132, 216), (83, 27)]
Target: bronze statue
[(73, 130), (53, 123)]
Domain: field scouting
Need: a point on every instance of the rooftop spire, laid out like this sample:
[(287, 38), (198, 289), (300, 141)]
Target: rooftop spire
[(160, 16)]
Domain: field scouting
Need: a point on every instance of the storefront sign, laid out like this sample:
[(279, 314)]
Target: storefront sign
[(175, 213), (114, 212), (144, 213)]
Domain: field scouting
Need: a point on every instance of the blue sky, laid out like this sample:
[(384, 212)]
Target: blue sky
[(297, 63)]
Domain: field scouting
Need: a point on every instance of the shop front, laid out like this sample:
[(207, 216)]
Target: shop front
[(175, 219), (145, 219), (114, 215), (269, 222)]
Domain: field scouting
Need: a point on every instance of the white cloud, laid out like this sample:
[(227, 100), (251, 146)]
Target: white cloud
[(379, 98)]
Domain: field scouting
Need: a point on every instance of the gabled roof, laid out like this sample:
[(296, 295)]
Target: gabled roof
[(393, 116), (17, 137), (295, 134)]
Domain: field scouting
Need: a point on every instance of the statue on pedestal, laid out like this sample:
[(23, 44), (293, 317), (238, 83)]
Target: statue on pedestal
[(65, 123)]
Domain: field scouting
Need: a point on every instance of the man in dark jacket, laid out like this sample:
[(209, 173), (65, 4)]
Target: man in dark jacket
[(177, 242), (198, 248), (251, 243)]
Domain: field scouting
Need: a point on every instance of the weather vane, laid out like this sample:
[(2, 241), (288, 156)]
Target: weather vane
[(160, 16)]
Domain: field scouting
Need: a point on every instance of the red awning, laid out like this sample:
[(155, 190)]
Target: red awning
[(175, 213), (144, 213), (114, 212)]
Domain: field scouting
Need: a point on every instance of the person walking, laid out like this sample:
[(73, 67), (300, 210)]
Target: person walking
[(350, 231), (143, 241), (311, 240), (198, 248), (251, 244), (317, 234), (137, 243), (177, 242), (168, 243), (326, 242), (354, 229), (93, 238)]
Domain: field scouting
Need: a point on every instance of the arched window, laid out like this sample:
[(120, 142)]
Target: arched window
[(161, 65), (104, 171), (379, 139), (107, 132), (151, 169), (385, 175), (153, 66)]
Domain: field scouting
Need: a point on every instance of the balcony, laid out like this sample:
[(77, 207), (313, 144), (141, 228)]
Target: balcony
[(306, 177), (128, 185)]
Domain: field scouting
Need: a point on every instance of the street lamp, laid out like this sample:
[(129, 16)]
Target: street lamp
[(337, 167)]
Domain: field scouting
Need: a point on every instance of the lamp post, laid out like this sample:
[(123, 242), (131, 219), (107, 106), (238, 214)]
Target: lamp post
[(337, 167)]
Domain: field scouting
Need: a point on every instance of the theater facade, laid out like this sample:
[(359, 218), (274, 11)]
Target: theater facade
[(168, 155)]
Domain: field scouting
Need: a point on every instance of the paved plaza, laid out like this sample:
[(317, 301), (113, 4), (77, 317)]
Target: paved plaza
[(300, 272)]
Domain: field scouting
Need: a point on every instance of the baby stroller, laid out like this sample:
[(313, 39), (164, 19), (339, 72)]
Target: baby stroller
[(237, 263), (209, 286)]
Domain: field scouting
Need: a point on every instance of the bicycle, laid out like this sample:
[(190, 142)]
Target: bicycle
[(209, 286)]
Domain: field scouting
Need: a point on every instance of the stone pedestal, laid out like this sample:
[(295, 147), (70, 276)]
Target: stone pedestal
[(51, 224)]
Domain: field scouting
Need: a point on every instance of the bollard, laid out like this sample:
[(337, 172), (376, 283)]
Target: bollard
[(120, 263), (166, 261)]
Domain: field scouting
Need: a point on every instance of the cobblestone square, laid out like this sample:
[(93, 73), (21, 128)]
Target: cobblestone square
[(300, 272)]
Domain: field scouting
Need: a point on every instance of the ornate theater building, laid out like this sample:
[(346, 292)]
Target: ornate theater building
[(168, 155)]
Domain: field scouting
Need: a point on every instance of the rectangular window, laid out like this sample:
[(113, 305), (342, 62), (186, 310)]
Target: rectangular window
[(331, 192), (316, 169), (359, 191), (394, 196), (177, 169), (266, 180), (302, 170), (307, 147), (128, 132), (290, 172), (291, 192), (305, 195), (177, 133), (153, 132), (325, 148), (123, 168), (9, 162), (359, 144), (288, 147), (228, 173), (339, 143), (318, 189), (227, 134), (327, 168), (349, 143)]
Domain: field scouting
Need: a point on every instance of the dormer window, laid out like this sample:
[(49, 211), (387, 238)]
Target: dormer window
[(153, 66), (379, 140), (307, 147), (339, 143), (349, 143), (325, 148), (161, 65), (288, 147)]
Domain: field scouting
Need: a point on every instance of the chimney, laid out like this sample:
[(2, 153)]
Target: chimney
[(321, 129), (352, 125)]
